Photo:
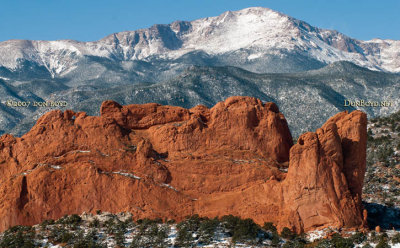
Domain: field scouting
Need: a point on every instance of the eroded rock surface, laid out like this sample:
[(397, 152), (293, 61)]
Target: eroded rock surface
[(170, 162)]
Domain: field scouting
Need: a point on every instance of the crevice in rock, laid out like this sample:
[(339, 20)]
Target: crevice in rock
[(23, 195)]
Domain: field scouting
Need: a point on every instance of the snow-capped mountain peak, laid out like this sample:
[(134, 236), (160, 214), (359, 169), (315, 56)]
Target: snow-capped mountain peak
[(254, 32)]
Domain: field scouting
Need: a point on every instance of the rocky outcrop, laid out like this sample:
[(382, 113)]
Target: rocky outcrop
[(170, 162)]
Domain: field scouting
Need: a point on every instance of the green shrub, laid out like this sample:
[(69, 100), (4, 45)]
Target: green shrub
[(229, 222), (340, 242), (90, 240), (396, 238), (46, 223), (295, 244), (59, 234), (382, 244), (337, 241), (275, 240), (184, 236), (73, 220), (287, 233), (358, 238), (146, 222), (94, 223), (207, 230), (269, 226), (18, 237), (192, 222), (137, 242), (172, 221), (151, 234), (119, 238), (161, 236), (374, 238), (245, 230)]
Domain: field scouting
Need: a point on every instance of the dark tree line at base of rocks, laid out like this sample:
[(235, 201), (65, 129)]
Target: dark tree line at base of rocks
[(193, 231)]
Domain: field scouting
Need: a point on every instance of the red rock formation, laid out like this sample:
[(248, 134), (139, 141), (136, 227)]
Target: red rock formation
[(170, 162)]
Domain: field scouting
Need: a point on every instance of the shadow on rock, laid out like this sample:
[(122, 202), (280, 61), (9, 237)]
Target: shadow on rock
[(384, 216)]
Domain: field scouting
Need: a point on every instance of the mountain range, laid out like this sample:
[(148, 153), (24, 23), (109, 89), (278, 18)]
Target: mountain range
[(255, 51)]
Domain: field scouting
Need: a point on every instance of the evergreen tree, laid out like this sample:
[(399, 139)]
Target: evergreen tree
[(207, 230), (184, 236), (18, 237)]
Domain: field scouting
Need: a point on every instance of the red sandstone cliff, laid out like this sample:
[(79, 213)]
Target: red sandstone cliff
[(170, 162)]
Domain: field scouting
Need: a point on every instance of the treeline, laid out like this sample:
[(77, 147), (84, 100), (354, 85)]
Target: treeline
[(194, 231)]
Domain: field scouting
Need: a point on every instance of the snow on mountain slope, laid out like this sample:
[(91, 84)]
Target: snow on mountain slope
[(259, 31)]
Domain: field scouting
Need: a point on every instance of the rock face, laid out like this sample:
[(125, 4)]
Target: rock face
[(170, 162)]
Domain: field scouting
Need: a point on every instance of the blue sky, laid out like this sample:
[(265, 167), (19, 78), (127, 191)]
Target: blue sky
[(88, 20)]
